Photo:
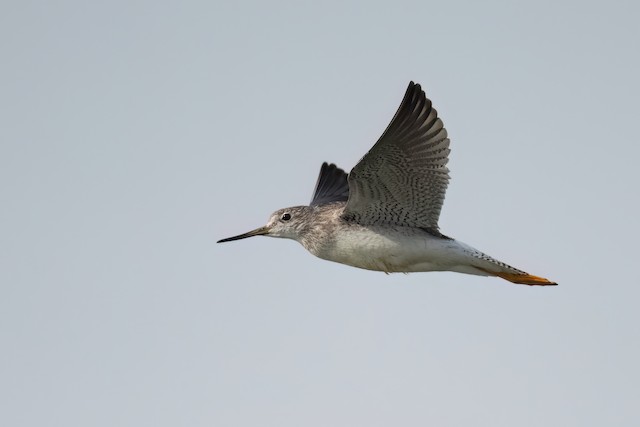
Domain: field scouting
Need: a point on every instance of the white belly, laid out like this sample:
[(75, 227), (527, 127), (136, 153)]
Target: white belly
[(402, 250)]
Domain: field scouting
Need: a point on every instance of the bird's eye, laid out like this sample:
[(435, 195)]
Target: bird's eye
[(286, 217)]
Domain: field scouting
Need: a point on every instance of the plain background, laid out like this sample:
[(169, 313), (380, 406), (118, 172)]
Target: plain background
[(134, 134)]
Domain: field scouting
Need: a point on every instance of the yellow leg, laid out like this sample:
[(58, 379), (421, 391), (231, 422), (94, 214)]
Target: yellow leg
[(526, 279)]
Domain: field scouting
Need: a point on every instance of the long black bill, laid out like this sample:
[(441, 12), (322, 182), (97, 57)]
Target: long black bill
[(257, 232)]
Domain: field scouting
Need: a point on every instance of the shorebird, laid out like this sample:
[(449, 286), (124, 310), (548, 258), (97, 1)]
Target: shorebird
[(384, 214)]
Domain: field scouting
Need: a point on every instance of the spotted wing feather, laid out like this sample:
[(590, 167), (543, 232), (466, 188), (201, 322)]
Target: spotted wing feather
[(402, 180)]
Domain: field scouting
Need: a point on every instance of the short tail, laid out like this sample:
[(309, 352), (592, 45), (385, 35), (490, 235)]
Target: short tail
[(493, 267), (526, 279)]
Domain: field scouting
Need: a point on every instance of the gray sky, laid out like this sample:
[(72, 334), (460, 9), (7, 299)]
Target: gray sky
[(136, 134)]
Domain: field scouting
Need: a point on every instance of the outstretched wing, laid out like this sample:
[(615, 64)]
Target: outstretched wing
[(402, 180), (331, 186)]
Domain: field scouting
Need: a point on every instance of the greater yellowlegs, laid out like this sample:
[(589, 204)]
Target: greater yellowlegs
[(384, 214)]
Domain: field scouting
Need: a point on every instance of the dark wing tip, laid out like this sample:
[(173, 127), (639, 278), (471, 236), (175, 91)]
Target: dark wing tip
[(414, 88), (331, 186), (408, 116)]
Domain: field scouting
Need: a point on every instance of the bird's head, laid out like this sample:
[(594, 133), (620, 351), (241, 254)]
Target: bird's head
[(288, 223)]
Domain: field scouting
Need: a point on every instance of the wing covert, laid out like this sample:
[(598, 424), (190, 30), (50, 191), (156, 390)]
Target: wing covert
[(402, 180)]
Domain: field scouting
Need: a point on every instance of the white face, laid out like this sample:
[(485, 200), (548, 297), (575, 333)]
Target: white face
[(286, 223)]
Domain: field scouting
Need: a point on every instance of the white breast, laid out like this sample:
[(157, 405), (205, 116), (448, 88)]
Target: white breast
[(392, 250)]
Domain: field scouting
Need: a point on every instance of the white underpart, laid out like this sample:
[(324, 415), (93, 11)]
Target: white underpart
[(407, 250)]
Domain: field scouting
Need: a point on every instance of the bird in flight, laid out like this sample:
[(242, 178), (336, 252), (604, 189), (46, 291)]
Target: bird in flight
[(383, 215)]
